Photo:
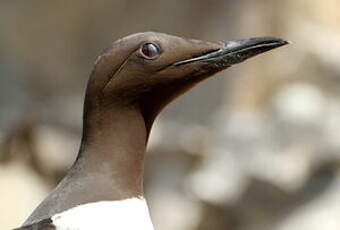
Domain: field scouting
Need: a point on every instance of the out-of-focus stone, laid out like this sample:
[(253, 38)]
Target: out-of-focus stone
[(185, 214), (56, 148), (220, 180), (300, 103), (21, 191), (321, 214)]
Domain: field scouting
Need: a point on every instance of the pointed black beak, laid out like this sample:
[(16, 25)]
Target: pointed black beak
[(233, 52)]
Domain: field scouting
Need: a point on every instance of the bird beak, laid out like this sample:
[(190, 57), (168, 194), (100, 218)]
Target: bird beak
[(234, 52)]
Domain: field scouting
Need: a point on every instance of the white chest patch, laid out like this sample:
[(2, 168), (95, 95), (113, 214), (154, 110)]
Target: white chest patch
[(130, 214)]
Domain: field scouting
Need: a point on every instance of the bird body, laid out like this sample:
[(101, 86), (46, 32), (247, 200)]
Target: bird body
[(132, 81)]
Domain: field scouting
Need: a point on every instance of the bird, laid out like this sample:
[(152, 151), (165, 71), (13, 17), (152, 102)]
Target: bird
[(131, 82)]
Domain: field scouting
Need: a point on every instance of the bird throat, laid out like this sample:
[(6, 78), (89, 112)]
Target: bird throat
[(114, 145)]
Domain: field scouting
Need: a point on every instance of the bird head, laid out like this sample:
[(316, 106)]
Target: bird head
[(148, 70)]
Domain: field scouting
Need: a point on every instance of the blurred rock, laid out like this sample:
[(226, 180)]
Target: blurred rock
[(322, 213), (56, 148), (300, 104), (21, 191)]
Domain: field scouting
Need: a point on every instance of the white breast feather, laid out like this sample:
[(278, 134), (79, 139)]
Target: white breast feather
[(129, 214)]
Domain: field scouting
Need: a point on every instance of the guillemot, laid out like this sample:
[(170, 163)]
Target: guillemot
[(132, 81)]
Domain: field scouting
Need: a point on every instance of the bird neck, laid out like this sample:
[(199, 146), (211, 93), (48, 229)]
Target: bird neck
[(110, 163), (113, 147)]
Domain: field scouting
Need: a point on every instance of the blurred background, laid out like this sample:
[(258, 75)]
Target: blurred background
[(254, 148)]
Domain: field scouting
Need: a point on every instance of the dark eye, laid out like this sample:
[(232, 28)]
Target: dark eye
[(149, 50)]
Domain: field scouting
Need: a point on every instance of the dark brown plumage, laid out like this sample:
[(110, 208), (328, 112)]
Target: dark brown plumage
[(132, 81)]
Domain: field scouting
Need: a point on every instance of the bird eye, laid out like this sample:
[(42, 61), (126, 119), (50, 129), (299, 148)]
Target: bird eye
[(149, 50)]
